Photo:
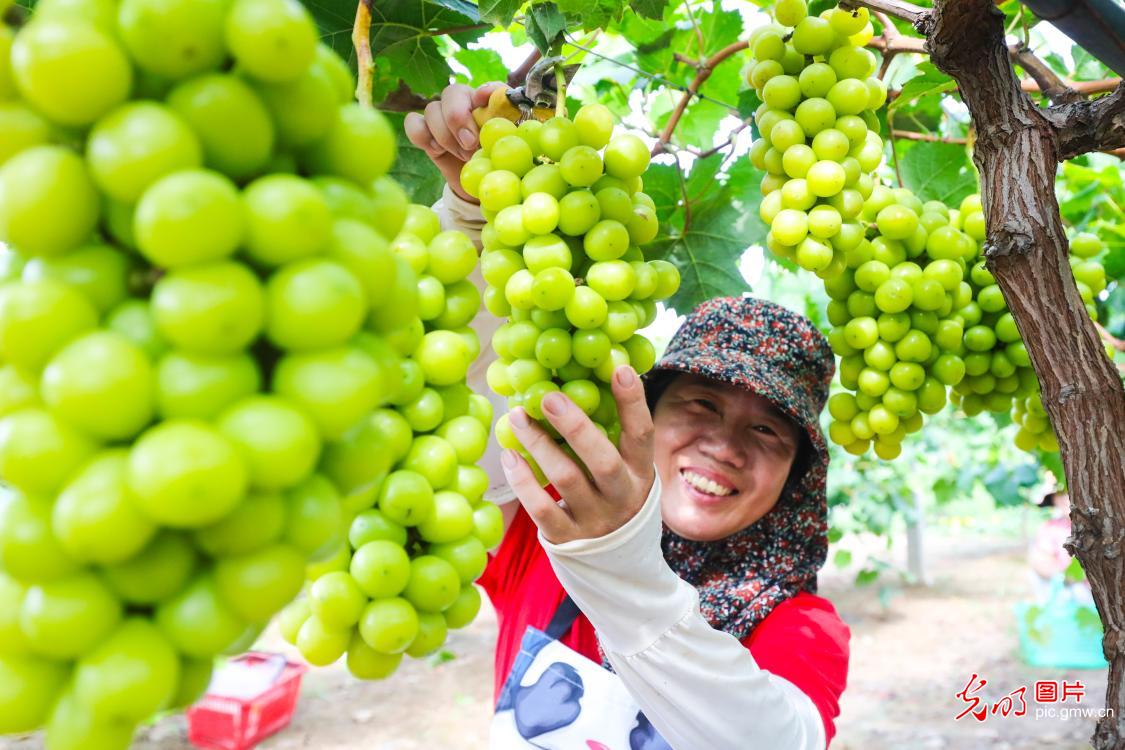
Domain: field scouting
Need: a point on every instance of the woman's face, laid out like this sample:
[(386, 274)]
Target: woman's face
[(723, 455)]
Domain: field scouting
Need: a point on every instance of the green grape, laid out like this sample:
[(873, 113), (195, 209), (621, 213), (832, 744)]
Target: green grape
[(511, 153), (230, 121), (594, 125), (274, 40), (581, 166), (101, 383), (170, 237), (812, 36), (287, 218), (50, 203), (20, 127), (174, 39), (100, 272), (578, 212), (135, 145), (71, 72), (360, 145), (626, 157), (215, 308)]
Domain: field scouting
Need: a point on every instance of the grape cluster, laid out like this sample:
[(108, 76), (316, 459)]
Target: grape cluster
[(420, 536), (210, 353), (820, 141), (999, 377), (914, 310), (566, 216)]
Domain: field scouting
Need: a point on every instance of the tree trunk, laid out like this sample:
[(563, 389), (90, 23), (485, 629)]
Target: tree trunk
[(915, 542), (1017, 153)]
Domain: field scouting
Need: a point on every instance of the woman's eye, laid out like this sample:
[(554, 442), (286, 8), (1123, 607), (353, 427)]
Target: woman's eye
[(764, 429), (705, 404)]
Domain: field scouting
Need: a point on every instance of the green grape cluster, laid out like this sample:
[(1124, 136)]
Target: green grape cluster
[(914, 310), (820, 141), (566, 219), (420, 537), (211, 356), (999, 377)]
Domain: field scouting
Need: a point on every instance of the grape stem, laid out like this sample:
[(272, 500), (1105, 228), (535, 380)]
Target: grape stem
[(703, 72), (361, 40)]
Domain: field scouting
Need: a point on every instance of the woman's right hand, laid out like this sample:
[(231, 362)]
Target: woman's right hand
[(447, 131)]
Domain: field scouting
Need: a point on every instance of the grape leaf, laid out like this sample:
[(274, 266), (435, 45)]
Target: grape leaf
[(499, 12), (649, 8), (592, 13), (928, 82), (544, 23), (938, 171), (707, 235), (719, 28), (403, 32), (484, 66)]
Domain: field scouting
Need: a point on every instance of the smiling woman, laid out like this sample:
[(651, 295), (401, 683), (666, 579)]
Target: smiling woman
[(684, 557)]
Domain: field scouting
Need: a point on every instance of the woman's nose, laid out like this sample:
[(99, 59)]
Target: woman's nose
[(722, 446)]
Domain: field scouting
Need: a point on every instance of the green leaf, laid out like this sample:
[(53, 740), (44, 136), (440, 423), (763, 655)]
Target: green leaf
[(842, 558), (545, 23), (938, 171), (718, 28), (403, 31), (866, 577), (719, 222), (591, 14), (928, 82), (1074, 572), (649, 8), (499, 12), (484, 66)]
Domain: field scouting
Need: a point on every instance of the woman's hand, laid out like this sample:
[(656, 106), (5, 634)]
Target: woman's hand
[(618, 481), (447, 132)]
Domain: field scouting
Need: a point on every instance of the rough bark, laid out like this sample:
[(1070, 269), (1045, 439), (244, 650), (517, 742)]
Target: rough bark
[(1017, 151)]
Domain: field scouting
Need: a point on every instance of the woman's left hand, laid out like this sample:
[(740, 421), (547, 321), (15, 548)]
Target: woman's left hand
[(615, 484)]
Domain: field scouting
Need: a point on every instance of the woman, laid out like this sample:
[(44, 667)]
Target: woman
[(691, 551)]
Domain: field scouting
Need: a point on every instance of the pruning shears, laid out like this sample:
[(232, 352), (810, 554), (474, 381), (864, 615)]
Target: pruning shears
[(535, 99)]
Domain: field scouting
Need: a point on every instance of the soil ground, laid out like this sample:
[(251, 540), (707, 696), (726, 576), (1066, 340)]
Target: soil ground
[(913, 649)]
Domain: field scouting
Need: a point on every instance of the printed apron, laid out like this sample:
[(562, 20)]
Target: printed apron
[(556, 699)]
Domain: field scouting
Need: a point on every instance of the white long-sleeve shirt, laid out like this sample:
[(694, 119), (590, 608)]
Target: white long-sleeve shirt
[(700, 687)]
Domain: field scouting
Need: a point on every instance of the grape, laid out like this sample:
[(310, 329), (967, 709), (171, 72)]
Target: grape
[(287, 218), (274, 40), (209, 309), (71, 72), (230, 120), (50, 204), (189, 217), (173, 39), (137, 144)]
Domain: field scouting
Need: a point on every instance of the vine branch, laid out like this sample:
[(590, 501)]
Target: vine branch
[(908, 12), (702, 74), (1084, 126), (361, 40), (1049, 82)]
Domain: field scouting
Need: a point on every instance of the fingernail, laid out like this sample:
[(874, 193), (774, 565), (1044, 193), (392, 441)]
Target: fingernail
[(508, 458), (554, 404), (626, 375), (468, 140), (434, 145), (519, 418)]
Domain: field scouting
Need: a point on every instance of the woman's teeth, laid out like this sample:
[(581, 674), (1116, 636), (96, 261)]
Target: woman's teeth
[(703, 484)]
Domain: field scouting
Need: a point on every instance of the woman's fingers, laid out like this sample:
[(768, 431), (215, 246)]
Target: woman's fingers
[(419, 134), (553, 520), (636, 421), (481, 95), (457, 109), (435, 121), (567, 476), (591, 446)]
